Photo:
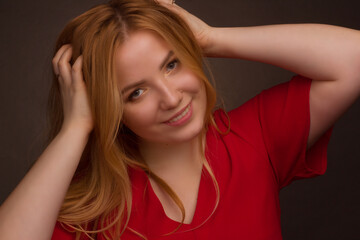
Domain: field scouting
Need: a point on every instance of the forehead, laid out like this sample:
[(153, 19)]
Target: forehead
[(139, 55)]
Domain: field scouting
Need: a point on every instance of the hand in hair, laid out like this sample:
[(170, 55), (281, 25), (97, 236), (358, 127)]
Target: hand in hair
[(200, 29), (77, 112), (31, 210)]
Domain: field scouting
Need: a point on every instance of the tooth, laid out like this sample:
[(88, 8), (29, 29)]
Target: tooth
[(181, 115)]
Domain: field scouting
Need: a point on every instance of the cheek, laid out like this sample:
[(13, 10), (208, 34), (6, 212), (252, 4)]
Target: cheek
[(139, 117), (189, 82)]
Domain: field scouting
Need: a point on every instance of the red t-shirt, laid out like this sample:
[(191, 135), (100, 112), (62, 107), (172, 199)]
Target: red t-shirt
[(264, 151)]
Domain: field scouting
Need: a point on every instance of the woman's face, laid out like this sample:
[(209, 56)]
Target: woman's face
[(164, 101)]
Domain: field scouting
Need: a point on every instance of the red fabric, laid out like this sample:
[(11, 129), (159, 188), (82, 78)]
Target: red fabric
[(61, 234), (264, 151)]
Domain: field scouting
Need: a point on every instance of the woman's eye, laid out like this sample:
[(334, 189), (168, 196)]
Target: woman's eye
[(172, 65), (135, 94)]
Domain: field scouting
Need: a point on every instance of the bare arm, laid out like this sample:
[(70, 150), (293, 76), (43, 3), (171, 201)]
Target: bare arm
[(30, 212), (329, 55)]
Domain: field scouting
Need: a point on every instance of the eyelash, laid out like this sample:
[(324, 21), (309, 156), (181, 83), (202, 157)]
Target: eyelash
[(131, 97), (175, 61)]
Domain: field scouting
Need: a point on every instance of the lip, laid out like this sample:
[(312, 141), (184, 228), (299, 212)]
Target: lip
[(183, 119)]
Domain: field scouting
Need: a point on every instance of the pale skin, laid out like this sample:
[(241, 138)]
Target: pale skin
[(156, 86), (327, 54), (30, 212)]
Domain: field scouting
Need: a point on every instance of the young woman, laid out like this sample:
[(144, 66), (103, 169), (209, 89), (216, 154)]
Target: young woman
[(136, 149)]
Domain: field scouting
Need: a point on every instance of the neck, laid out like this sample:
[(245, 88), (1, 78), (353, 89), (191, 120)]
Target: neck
[(164, 158)]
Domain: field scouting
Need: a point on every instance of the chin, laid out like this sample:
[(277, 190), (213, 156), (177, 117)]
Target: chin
[(188, 134)]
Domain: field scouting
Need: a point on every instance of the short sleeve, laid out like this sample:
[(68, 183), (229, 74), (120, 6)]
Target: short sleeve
[(284, 115), (61, 233)]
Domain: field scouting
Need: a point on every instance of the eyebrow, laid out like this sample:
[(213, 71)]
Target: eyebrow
[(136, 84)]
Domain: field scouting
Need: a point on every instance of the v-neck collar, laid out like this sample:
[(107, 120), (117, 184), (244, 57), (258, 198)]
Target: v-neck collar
[(148, 212)]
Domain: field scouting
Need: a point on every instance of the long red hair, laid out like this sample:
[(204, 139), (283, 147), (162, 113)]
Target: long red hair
[(99, 196)]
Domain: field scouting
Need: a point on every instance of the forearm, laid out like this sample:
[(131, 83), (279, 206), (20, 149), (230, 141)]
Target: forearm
[(31, 210), (320, 52)]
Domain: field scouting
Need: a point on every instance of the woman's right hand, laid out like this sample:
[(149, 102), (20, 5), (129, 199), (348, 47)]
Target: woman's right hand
[(31, 210), (76, 107)]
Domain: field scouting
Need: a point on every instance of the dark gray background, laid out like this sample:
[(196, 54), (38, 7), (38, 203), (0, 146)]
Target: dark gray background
[(326, 207)]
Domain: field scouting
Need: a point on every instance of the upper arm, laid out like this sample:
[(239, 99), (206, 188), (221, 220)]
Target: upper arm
[(284, 118), (328, 101)]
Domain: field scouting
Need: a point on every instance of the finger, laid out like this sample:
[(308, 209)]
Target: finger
[(170, 4), (77, 74), (57, 57), (166, 3), (161, 1), (65, 67)]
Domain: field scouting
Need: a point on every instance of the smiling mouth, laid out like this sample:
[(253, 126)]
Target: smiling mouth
[(182, 117), (187, 109)]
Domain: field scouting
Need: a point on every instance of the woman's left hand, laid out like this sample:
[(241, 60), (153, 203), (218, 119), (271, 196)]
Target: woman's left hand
[(200, 29)]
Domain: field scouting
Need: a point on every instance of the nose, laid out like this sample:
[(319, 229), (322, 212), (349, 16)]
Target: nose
[(170, 96)]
